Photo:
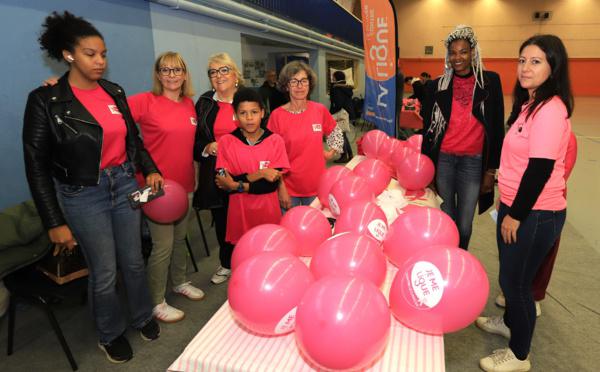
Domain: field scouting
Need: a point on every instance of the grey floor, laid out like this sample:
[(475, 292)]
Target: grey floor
[(566, 336)]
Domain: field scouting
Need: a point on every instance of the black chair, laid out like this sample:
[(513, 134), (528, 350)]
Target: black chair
[(189, 246)]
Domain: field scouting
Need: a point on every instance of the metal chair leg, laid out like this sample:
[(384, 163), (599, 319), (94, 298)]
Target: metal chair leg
[(58, 332), (202, 232), (189, 247), (11, 325)]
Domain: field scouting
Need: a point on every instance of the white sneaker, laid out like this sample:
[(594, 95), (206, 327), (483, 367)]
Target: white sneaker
[(493, 324), (221, 275), (501, 301), (503, 360), (167, 313), (189, 291)]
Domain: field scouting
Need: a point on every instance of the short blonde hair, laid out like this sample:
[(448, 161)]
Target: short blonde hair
[(292, 68), (173, 59), (225, 59)]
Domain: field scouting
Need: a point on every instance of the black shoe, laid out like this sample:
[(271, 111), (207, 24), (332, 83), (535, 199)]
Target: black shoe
[(342, 160), (118, 350), (150, 331)]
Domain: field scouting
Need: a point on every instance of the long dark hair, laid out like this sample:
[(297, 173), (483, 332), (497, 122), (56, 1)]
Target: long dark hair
[(557, 84)]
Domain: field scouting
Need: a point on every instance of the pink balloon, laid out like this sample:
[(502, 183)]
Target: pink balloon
[(415, 141), (350, 254), (415, 172), (348, 189), (376, 172), (363, 217), (372, 141), (309, 226), (399, 155), (170, 207), (342, 323), (387, 149), (416, 229), (331, 176), (439, 290), (265, 290), (264, 238)]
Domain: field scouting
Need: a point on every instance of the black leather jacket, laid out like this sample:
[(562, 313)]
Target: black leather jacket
[(61, 139)]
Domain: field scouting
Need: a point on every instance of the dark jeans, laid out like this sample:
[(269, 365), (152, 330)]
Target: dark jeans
[(225, 248), (519, 263), (109, 233), (458, 180)]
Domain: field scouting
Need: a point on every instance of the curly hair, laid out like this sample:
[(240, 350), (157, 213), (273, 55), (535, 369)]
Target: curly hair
[(62, 32)]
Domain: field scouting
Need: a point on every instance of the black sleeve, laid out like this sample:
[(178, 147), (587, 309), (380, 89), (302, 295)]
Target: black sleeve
[(497, 122), (241, 177), (534, 179), (262, 186)]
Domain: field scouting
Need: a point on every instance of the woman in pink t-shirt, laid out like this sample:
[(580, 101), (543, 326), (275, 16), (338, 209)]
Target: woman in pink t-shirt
[(303, 123), (531, 181), (167, 119)]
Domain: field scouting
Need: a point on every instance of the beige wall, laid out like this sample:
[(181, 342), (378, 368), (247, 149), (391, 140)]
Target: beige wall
[(500, 25)]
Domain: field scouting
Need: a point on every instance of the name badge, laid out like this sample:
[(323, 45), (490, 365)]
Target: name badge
[(317, 128), (264, 164), (193, 121), (114, 109)]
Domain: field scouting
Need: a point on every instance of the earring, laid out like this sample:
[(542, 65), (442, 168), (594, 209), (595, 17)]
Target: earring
[(236, 84)]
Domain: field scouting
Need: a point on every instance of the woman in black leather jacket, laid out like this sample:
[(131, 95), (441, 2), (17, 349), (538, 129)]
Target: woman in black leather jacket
[(81, 150)]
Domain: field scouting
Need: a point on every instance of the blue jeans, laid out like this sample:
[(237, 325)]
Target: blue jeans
[(109, 233), (458, 180), (299, 200), (519, 263)]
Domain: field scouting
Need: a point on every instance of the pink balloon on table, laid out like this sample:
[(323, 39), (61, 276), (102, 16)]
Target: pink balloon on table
[(387, 149), (342, 323), (399, 155), (363, 217), (372, 141), (351, 254), (415, 172), (415, 141), (331, 176), (265, 290), (376, 172), (417, 229), (309, 226), (264, 238), (348, 189), (170, 207), (439, 290)]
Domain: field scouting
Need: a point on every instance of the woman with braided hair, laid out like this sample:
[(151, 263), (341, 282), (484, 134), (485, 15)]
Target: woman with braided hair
[(463, 117)]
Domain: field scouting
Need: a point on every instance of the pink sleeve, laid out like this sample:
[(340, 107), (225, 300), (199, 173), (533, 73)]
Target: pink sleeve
[(136, 106), (280, 159), (222, 159), (548, 128), (329, 122)]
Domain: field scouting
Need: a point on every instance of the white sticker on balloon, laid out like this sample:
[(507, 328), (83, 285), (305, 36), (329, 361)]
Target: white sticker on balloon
[(333, 205), (427, 283), (378, 229), (287, 323)]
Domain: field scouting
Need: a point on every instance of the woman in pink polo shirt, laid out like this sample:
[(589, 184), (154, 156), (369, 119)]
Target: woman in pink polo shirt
[(531, 181), (303, 123), (167, 119)]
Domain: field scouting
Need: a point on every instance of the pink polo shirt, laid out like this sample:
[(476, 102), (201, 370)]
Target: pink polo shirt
[(168, 130), (303, 136), (544, 135)]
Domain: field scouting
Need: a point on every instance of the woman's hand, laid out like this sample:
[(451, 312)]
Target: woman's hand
[(487, 182), (270, 174), (328, 155), (508, 229), (211, 148), (155, 181), (285, 201), (62, 237), (226, 182)]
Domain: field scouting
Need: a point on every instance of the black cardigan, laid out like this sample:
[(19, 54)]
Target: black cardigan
[(492, 120)]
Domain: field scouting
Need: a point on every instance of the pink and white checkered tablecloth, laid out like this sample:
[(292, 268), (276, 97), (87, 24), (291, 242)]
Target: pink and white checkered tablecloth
[(222, 345)]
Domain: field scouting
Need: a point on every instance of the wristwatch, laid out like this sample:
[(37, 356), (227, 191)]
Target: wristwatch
[(240, 186)]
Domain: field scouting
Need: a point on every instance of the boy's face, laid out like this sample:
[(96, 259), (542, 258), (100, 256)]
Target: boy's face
[(249, 115)]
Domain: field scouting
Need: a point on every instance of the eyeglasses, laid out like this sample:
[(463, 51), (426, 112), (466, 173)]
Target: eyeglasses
[(166, 71), (225, 70), (299, 83)]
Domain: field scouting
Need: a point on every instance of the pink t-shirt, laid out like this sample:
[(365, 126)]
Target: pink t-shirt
[(168, 129), (248, 210), (303, 136), (225, 122), (544, 135), (105, 111)]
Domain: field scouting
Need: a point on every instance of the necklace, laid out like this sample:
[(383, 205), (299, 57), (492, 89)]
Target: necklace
[(296, 112)]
